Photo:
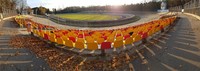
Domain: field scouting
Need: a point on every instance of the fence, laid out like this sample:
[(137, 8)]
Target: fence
[(7, 13), (192, 6)]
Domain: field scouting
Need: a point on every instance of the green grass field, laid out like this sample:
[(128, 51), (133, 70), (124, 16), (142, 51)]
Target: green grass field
[(88, 17)]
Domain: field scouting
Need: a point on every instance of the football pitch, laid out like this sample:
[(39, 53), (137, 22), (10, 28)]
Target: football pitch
[(88, 17)]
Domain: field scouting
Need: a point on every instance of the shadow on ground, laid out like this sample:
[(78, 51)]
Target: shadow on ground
[(180, 50)]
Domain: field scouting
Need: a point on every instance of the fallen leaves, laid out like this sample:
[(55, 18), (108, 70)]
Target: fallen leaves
[(67, 61), (53, 56)]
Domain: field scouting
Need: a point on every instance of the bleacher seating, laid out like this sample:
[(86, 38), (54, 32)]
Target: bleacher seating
[(95, 39)]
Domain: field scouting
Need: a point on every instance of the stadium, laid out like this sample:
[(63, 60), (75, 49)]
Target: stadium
[(94, 19), (95, 43), (129, 37)]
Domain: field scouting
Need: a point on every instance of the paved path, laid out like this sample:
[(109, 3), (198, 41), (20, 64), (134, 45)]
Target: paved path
[(17, 59), (180, 49), (145, 17)]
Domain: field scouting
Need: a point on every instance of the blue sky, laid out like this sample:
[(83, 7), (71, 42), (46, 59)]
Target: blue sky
[(66, 3)]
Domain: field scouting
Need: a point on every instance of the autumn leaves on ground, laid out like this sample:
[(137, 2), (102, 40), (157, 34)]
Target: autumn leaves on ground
[(61, 60)]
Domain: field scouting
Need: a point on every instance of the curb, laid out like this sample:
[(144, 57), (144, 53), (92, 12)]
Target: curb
[(196, 16), (6, 18)]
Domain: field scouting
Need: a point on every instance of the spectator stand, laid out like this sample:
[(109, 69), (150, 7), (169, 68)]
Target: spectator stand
[(41, 31)]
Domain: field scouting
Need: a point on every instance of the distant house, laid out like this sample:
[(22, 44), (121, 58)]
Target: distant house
[(40, 10), (35, 10)]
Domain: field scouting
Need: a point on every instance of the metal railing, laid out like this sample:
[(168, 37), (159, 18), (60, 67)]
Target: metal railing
[(192, 6)]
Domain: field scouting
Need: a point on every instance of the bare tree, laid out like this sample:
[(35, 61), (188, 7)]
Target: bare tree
[(7, 4), (29, 10), (21, 5)]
